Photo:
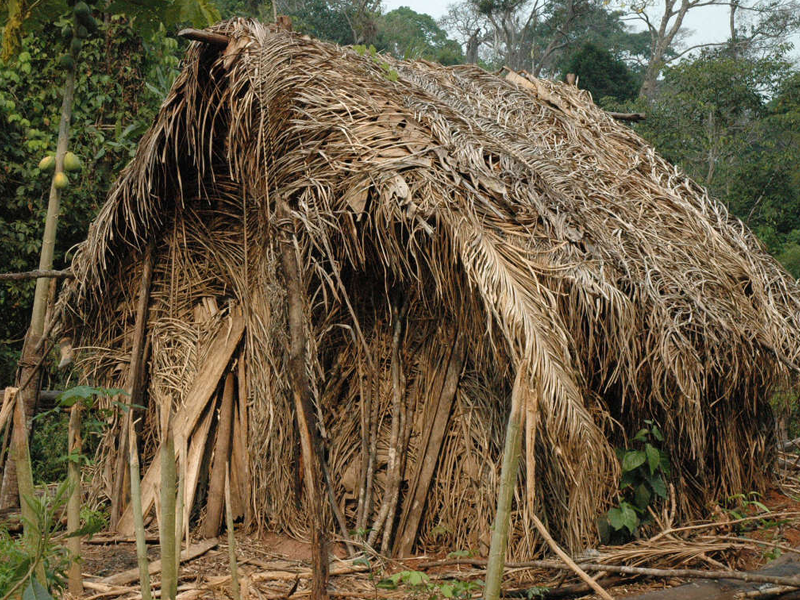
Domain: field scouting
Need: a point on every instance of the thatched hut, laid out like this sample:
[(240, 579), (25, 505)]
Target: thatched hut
[(460, 235)]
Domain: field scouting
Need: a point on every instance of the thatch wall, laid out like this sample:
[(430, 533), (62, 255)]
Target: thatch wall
[(536, 244)]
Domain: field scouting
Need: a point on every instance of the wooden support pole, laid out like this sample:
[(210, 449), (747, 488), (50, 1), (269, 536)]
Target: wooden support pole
[(135, 380), (138, 518), (304, 406), (74, 445)]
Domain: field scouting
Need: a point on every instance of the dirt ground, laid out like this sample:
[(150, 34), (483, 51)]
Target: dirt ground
[(277, 566)]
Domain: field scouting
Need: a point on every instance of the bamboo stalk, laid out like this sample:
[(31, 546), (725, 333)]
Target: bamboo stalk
[(75, 577), (169, 570), (231, 536), (24, 473), (36, 274), (508, 478), (138, 518)]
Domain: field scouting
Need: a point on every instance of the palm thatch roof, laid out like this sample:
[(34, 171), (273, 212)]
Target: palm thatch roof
[(457, 225)]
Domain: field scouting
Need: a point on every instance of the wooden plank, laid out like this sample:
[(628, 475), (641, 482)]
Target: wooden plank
[(432, 440), (205, 384), (222, 454), (132, 575), (194, 460)]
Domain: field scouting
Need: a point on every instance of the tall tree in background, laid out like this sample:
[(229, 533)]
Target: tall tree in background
[(409, 34), (601, 74), (767, 23)]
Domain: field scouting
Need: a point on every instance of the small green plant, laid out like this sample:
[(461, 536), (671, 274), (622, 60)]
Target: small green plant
[(645, 468), (419, 585), (388, 71), (20, 562)]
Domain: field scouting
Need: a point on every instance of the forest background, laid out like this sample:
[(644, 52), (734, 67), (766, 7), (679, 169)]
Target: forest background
[(727, 113)]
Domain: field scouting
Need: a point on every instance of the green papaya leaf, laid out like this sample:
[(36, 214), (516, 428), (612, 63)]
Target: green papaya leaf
[(642, 497)]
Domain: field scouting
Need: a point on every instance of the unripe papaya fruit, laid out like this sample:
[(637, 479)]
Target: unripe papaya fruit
[(82, 10), (75, 46), (60, 181), (66, 32), (82, 32), (67, 62), (71, 162), (47, 163)]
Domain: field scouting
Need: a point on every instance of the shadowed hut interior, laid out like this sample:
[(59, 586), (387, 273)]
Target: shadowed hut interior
[(461, 236)]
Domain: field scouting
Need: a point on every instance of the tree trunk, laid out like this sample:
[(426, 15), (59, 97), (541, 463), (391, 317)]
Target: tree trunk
[(33, 351)]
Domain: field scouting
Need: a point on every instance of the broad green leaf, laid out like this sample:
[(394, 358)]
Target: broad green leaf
[(641, 435), (632, 460), (653, 457), (657, 484), (628, 516), (642, 497), (35, 591)]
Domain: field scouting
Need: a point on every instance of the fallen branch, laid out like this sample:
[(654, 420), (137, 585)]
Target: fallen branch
[(132, 575), (793, 582), (48, 273)]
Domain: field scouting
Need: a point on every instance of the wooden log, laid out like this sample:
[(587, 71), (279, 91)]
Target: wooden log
[(304, 406), (39, 273), (205, 384), (627, 116), (135, 379), (241, 380), (132, 575), (430, 447), (207, 37), (216, 486)]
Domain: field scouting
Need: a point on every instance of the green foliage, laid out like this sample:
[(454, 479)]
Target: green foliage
[(408, 34), (645, 468), (419, 585), (388, 71), (49, 435), (602, 74), (120, 82), (17, 568)]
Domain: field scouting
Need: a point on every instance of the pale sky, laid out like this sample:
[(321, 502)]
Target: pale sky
[(707, 23)]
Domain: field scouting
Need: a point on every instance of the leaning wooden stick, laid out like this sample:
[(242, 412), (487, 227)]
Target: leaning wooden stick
[(231, 537)]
